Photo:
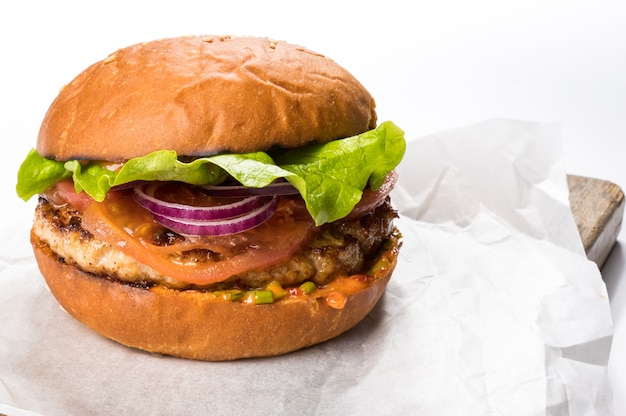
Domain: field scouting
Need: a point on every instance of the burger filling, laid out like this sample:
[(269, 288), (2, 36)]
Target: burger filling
[(310, 215), (298, 251)]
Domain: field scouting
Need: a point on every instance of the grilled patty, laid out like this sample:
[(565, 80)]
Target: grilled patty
[(339, 248)]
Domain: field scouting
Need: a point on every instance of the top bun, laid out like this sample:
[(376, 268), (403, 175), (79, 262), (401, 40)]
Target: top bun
[(202, 95)]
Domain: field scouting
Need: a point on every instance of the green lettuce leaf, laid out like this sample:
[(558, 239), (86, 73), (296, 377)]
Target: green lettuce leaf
[(37, 174), (330, 177)]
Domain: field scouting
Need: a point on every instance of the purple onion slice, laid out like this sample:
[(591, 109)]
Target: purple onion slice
[(226, 226), (144, 195), (276, 188)]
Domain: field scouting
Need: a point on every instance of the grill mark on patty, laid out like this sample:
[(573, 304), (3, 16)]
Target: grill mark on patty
[(64, 219)]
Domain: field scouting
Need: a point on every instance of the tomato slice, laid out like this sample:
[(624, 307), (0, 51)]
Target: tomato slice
[(371, 199), (121, 222), (64, 193)]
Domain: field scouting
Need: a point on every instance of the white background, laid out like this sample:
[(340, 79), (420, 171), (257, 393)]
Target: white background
[(431, 65)]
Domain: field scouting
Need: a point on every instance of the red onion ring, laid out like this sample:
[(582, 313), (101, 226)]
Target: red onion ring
[(276, 188), (144, 195), (227, 226)]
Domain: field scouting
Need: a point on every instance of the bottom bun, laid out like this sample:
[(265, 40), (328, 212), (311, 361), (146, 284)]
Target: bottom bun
[(194, 325)]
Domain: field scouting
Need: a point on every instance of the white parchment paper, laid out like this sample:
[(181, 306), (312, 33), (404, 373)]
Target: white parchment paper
[(493, 309)]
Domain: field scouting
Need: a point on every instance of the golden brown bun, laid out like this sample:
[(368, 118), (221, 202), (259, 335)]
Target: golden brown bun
[(203, 95), (189, 324)]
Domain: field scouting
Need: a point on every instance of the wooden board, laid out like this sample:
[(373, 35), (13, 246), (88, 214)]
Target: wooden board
[(598, 208)]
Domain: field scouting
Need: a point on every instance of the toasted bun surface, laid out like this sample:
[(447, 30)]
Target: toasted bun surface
[(191, 324), (203, 95)]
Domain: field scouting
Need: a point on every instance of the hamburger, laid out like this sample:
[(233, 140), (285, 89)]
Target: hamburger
[(214, 198)]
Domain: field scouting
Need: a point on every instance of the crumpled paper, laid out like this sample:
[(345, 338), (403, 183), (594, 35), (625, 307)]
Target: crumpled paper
[(493, 309)]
